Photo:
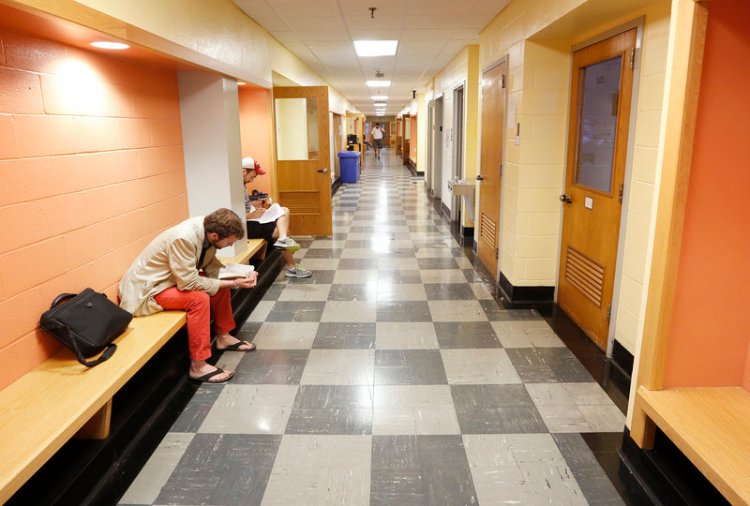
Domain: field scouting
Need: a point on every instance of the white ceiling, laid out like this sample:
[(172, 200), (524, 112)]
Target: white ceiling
[(321, 33)]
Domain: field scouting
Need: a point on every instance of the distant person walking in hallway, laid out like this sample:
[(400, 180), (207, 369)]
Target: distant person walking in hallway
[(377, 139)]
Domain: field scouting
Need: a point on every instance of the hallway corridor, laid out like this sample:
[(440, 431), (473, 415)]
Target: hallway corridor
[(390, 377)]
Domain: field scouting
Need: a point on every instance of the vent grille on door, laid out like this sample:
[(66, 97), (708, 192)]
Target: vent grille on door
[(585, 274), (301, 202), (488, 231)]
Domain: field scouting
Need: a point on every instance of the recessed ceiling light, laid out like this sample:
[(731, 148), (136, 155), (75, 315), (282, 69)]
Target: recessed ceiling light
[(378, 84), (106, 44), (379, 97), (241, 83), (375, 47)]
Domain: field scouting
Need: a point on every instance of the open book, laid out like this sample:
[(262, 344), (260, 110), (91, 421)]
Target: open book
[(273, 213), (234, 271)]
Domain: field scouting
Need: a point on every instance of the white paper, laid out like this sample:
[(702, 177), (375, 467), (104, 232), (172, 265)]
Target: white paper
[(231, 271), (273, 213)]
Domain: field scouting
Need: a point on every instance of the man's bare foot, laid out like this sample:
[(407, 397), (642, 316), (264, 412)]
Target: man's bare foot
[(227, 342), (202, 371)]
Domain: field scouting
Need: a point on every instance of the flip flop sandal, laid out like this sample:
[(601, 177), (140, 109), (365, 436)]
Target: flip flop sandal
[(236, 347), (206, 378)]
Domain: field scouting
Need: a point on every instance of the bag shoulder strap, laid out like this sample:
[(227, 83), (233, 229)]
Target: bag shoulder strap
[(106, 354)]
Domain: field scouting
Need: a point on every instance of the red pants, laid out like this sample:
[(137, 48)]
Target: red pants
[(199, 306)]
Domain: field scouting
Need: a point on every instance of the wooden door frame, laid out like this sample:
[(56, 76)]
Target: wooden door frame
[(638, 24), (680, 120), (458, 151), (324, 136), (337, 143)]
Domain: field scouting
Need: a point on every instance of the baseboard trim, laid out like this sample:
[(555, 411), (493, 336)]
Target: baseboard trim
[(525, 294), (665, 475), (335, 186), (445, 212), (622, 358)]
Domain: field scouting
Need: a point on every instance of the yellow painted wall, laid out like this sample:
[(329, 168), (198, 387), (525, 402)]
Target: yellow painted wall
[(214, 34), (538, 37), (471, 140), (462, 70), (642, 184), (422, 131)]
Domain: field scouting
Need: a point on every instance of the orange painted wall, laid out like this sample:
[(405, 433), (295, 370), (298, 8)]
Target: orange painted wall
[(413, 140), (710, 335), (256, 131), (91, 168)]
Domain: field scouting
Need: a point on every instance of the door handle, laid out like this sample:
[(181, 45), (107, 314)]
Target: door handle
[(566, 199), (480, 178), (323, 171)]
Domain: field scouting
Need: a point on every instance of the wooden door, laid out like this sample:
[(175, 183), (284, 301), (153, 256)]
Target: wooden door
[(303, 157), (493, 119), (601, 89), (338, 131)]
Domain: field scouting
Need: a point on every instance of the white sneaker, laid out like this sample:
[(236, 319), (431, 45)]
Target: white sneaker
[(297, 272), (287, 243)]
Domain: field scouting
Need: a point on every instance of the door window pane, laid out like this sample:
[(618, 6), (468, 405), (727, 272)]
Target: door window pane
[(600, 93), (297, 129)]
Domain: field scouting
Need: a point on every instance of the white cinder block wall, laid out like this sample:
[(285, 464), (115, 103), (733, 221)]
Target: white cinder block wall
[(533, 173)]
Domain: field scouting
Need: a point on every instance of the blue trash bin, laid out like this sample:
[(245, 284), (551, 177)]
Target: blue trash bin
[(349, 166)]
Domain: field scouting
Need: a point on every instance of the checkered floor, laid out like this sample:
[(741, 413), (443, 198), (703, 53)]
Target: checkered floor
[(391, 377)]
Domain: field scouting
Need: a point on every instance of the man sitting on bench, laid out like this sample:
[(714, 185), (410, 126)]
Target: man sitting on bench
[(276, 233), (179, 270)]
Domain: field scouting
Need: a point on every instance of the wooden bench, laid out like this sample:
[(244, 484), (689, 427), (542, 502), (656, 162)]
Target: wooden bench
[(711, 426), (254, 246), (61, 398)]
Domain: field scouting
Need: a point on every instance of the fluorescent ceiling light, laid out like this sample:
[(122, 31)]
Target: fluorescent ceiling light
[(378, 84), (375, 47), (379, 104), (104, 44), (380, 114), (379, 97)]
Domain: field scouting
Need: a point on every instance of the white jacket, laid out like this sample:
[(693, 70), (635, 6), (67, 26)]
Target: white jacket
[(171, 259)]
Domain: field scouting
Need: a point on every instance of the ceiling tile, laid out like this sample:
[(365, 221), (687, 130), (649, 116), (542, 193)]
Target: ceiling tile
[(493, 7), (303, 7), (469, 35), (335, 53), (301, 23), (379, 23), (376, 33), (284, 37), (447, 21), (262, 14), (384, 7), (323, 36), (320, 33)]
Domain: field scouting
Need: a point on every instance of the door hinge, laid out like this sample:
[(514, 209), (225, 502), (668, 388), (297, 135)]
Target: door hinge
[(500, 169), (497, 253), (621, 193), (609, 313), (632, 58), (502, 81)]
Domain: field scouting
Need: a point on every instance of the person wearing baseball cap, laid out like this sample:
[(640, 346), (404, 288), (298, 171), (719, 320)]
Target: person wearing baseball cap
[(275, 233)]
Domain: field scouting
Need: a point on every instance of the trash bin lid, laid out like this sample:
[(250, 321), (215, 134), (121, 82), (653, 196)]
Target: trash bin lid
[(348, 154)]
